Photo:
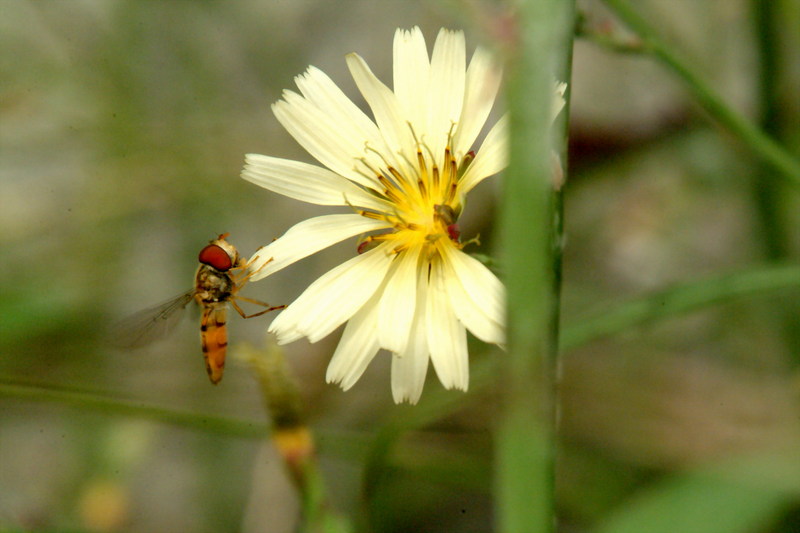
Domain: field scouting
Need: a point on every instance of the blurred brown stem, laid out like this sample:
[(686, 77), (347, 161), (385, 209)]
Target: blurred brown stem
[(291, 434)]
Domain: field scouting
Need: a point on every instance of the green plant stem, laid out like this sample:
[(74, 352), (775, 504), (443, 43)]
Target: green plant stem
[(678, 300), (769, 195), (313, 499), (764, 146), (525, 432), (98, 402)]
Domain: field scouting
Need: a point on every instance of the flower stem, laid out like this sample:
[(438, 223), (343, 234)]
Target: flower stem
[(764, 146), (291, 435), (109, 405), (769, 196), (525, 433)]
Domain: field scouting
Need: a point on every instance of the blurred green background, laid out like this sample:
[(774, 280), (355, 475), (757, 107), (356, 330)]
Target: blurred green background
[(123, 127)]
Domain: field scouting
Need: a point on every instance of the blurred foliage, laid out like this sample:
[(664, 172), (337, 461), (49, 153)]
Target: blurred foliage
[(123, 126)]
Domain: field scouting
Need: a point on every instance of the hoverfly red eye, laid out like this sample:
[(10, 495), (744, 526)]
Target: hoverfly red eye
[(215, 256)]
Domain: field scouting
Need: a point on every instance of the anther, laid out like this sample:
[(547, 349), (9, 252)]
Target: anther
[(465, 163), (445, 213)]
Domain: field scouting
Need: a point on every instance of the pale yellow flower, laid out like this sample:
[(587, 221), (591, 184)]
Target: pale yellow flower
[(410, 290)]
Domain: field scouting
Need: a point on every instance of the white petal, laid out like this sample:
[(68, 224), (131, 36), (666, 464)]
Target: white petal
[(288, 335), (410, 367), (308, 183), (406, 383), (396, 309), (447, 338), (482, 83), (471, 313), (384, 105), (357, 347), (306, 238), (319, 89), (483, 289), (335, 145), (446, 91), (411, 72), (490, 159), (333, 298)]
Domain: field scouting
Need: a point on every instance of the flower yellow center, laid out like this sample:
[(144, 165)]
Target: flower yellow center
[(425, 205)]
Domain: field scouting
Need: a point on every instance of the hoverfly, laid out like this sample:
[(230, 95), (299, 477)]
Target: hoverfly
[(216, 284)]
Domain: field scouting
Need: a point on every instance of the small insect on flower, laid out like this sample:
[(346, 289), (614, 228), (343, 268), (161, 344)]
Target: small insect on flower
[(216, 284)]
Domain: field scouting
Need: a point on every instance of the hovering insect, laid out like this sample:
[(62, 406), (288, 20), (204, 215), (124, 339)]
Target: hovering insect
[(215, 286)]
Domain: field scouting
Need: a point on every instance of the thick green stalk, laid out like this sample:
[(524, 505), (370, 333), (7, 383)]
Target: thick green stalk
[(764, 146), (525, 433), (769, 195)]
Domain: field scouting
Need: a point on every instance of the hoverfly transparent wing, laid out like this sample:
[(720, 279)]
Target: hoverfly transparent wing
[(151, 324)]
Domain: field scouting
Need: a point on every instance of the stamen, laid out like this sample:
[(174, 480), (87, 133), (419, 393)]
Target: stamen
[(368, 148), (391, 173), (382, 179), (468, 158), (400, 248), (430, 153), (372, 169), (410, 165), (367, 214), (445, 213), (376, 174), (450, 132), (361, 172), (402, 182), (422, 164), (423, 189), (433, 237), (413, 133), (370, 214), (399, 220), (451, 194), (390, 189), (450, 162), (435, 178), (370, 242)]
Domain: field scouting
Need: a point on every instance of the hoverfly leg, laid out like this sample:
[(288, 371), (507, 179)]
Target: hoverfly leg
[(254, 301), (250, 273)]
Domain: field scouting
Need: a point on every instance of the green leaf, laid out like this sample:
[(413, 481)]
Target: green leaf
[(735, 496)]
